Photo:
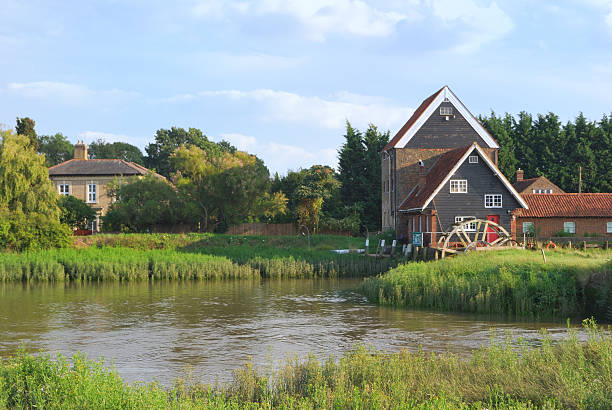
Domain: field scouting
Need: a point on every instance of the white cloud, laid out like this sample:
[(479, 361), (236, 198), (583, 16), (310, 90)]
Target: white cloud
[(608, 19), (282, 157), (318, 17), (331, 113), (66, 92), (477, 25)]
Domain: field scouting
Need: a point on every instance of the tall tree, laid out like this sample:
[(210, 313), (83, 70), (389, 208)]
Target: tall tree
[(352, 167), (374, 141), (117, 150), (499, 128), (25, 127), (56, 148)]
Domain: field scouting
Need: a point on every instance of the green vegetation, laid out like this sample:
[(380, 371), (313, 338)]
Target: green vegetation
[(512, 282), (75, 212), (193, 256), (568, 374)]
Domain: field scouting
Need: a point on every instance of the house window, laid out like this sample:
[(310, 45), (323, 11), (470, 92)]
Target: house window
[(569, 227), (473, 159), (493, 201), (469, 227), (92, 192), (528, 227), (446, 110), (458, 186), (609, 227), (542, 191), (64, 188)]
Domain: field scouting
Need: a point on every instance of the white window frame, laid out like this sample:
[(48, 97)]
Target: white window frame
[(471, 227), (63, 188), (493, 202), (460, 186), (92, 195), (473, 159), (527, 226), (569, 227), (446, 110), (542, 191), (609, 227)]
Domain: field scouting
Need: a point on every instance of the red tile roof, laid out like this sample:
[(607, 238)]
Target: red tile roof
[(435, 176), (415, 116), (566, 205)]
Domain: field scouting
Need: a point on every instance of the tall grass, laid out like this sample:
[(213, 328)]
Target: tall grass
[(514, 282), (569, 374)]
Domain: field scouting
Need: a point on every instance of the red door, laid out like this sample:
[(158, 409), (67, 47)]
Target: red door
[(491, 233)]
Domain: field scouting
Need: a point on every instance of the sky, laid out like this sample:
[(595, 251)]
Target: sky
[(280, 78)]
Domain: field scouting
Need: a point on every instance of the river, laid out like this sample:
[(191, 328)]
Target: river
[(154, 330)]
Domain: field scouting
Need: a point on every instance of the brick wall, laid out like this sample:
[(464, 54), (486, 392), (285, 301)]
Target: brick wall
[(546, 227)]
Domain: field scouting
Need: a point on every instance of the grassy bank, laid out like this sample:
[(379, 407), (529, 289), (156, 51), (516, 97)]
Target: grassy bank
[(569, 374), (512, 282)]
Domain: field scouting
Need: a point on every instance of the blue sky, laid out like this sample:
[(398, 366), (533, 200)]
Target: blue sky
[(279, 78)]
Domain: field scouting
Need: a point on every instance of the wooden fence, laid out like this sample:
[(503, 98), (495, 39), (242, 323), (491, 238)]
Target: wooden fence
[(274, 230)]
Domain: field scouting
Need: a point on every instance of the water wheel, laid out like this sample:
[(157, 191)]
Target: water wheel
[(471, 234)]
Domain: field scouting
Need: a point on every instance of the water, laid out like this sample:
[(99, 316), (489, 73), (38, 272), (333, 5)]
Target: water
[(154, 330)]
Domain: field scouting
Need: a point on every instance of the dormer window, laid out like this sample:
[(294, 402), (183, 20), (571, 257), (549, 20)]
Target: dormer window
[(446, 110)]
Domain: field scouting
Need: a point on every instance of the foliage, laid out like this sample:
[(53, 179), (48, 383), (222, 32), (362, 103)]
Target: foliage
[(544, 146), (75, 212), (227, 188), (29, 213), (567, 374), (511, 282), (56, 148), (145, 203), (25, 127), (117, 150)]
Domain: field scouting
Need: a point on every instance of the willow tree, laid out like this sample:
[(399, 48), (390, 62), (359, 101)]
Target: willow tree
[(29, 211)]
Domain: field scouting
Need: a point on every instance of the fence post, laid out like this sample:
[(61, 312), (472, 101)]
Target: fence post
[(393, 245)]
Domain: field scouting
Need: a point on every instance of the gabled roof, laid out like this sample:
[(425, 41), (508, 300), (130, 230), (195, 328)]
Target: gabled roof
[(443, 170), (524, 184), (426, 109), (567, 205), (74, 167)]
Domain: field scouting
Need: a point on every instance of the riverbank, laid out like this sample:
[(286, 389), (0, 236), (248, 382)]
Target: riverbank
[(568, 374), (191, 257), (516, 283)]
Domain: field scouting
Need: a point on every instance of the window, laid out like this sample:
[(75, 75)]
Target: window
[(446, 110), (493, 201), (528, 227), (473, 159), (64, 188), (569, 227), (469, 227), (542, 191), (92, 192), (609, 227), (458, 186)]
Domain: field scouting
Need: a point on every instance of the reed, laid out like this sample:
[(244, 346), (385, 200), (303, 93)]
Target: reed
[(514, 283), (567, 374)]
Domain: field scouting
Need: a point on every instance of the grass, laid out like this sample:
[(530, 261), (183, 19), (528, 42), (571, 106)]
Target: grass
[(568, 374), (512, 282)]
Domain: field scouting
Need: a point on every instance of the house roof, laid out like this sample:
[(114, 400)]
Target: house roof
[(567, 205), (443, 170), (426, 109), (74, 167), (524, 184)]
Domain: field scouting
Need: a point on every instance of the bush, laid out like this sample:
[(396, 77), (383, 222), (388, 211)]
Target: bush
[(75, 212)]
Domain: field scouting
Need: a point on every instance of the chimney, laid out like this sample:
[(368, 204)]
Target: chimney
[(422, 180), (80, 150), (519, 174)]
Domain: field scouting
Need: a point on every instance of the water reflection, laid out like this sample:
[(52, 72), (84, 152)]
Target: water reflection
[(153, 330)]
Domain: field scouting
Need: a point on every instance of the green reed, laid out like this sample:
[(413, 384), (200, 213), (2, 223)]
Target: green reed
[(514, 282), (565, 374)]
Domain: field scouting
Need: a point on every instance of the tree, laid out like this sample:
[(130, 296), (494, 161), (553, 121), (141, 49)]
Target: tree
[(145, 203), (29, 213), (499, 128), (167, 141), (25, 127), (101, 149), (352, 167), (75, 212), (56, 148), (227, 188), (318, 185), (374, 142)]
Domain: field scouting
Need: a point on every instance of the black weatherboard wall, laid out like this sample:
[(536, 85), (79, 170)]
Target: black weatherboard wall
[(481, 180), (438, 132)]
